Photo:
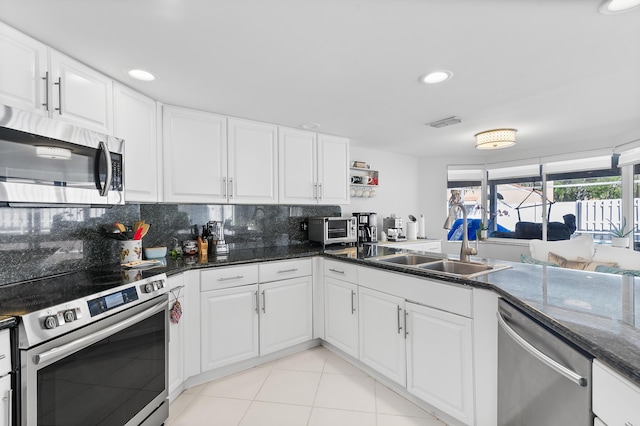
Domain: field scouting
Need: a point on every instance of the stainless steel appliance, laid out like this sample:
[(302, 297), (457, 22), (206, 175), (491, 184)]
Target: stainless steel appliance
[(214, 232), (333, 230), (367, 227), (542, 380), (47, 162), (393, 226), (92, 347)]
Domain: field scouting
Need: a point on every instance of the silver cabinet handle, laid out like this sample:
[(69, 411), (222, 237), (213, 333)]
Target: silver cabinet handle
[(46, 90), (337, 271), (549, 362), (224, 187), (104, 150), (59, 84), (406, 328), (628, 424), (230, 187), (9, 400), (69, 348), (399, 325), (353, 304), (264, 303), (237, 277), (315, 191), (320, 192), (3, 356), (286, 271), (257, 303)]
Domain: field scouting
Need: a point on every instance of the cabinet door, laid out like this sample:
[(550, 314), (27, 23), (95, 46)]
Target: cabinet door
[(176, 335), (253, 162), (80, 95), (341, 315), (195, 156), (135, 122), (22, 71), (229, 326), (333, 170), (285, 314), (297, 165), (5, 402), (439, 360), (382, 344)]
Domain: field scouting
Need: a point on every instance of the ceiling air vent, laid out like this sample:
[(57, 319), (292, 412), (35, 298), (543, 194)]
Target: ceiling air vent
[(445, 122)]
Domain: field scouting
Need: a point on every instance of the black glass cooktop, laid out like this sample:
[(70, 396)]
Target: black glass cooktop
[(33, 295)]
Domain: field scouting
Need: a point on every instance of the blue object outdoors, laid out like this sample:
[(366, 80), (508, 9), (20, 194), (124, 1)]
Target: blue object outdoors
[(455, 234)]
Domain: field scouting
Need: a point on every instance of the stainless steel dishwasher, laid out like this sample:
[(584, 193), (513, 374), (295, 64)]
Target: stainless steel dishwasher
[(542, 380)]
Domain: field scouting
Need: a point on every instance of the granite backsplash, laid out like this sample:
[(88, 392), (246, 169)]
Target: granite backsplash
[(37, 242)]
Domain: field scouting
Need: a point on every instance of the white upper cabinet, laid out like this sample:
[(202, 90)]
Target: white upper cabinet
[(252, 162), (79, 94), (44, 81), (313, 168), (333, 169), (194, 146), (22, 71), (135, 121)]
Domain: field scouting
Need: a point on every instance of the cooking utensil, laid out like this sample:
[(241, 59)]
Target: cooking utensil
[(145, 229), (120, 226), (138, 234), (137, 225), (112, 231)]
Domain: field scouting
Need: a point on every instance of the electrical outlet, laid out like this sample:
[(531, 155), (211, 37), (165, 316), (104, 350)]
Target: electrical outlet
[(304, 226)]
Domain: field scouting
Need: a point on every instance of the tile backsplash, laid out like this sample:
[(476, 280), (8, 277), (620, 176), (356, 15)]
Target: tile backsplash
[(36, 242)]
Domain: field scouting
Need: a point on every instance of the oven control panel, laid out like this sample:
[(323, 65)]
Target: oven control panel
[(68, 315), (110, 301)]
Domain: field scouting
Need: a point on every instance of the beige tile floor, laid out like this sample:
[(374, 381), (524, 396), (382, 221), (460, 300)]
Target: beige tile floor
[(312, 388)]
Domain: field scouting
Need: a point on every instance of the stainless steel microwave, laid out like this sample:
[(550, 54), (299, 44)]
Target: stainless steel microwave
[(332, 230), (47, 162)]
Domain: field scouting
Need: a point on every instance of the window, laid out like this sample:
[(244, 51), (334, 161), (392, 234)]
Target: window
[(464, 186), (636, 207)]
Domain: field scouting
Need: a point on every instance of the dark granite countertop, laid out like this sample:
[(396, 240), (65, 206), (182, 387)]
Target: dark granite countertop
[(599, 313)]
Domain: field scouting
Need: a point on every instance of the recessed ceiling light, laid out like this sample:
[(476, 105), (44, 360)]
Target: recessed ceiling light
[(310, 126), (436, 77), (142, 75), (617, 6)]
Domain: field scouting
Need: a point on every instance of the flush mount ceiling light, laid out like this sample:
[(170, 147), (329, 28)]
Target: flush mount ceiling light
[(141, 75), (310, 126), (496, 139), (436, 77), (53, 152), (616, 6)]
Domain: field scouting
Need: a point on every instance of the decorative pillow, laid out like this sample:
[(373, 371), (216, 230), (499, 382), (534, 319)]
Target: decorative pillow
[(565, 263), (619, 271), (580, 246), (625, 258), (592, 265), (530, 260)]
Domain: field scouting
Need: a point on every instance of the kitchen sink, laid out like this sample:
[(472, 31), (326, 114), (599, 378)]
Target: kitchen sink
[(409, 259), (440, 265)]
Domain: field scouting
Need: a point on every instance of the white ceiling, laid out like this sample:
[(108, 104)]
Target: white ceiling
[(564, 75)]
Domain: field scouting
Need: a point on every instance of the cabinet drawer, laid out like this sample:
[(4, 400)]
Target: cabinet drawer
[(217, 278), (275, 271), (5, 352), (615, 399), (341, 270)]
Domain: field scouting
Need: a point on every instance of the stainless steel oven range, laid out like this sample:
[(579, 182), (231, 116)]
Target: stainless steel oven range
[(93, 348)]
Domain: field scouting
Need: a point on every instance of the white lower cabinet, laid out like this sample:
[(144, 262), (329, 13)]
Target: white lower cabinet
[(341, 315), (439, 360), (242, 318), (176, 335), (6, 395), (285, 314), (229, 326), (382, 345), (615, 399)]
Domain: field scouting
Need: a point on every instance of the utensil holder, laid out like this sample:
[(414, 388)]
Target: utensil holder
[(130, 251)]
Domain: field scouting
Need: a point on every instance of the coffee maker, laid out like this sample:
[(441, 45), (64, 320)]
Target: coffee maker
[(367, 227), (393, 227), (214, 232)]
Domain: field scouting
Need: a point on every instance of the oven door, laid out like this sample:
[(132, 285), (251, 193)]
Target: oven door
[(112, 372)]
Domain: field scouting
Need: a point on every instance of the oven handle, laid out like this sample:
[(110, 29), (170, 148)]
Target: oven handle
[(550, 362), (71, 347)]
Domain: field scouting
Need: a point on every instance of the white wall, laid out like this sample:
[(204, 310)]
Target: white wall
[(397, 191)]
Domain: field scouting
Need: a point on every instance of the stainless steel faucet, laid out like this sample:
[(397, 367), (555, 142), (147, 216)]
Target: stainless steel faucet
[(465, 250)]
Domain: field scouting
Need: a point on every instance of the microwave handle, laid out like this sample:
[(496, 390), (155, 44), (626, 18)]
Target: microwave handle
[(104, 151)]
